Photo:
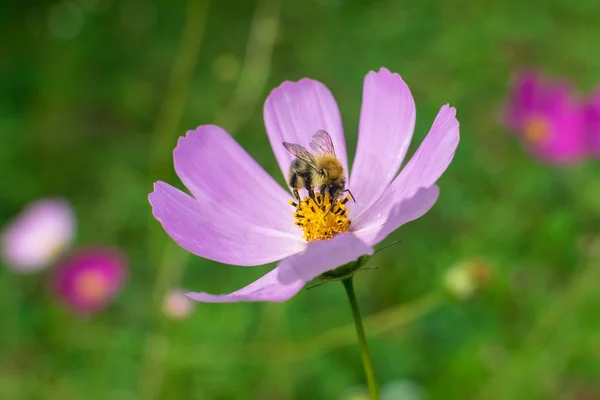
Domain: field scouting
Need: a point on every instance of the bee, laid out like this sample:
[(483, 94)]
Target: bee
[(321, 169)]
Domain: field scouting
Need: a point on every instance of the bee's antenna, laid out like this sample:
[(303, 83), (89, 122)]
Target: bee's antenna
[(351, 195)]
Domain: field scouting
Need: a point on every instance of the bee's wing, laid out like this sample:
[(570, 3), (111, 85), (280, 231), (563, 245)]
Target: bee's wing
[(301, 153), (321, 141)]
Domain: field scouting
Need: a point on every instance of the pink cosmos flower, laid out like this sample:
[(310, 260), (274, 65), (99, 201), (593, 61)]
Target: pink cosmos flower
[(88, 281), (38, 235), (592, 111), (239, 215), (545, 115)]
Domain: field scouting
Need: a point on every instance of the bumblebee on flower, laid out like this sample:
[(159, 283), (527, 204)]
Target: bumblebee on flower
[(321, 169)]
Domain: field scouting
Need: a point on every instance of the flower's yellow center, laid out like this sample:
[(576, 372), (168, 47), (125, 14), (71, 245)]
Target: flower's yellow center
[(92, 285), (318, 219), (536, 129)]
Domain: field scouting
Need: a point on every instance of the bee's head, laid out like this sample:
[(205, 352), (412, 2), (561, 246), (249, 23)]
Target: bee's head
[(335, 189)]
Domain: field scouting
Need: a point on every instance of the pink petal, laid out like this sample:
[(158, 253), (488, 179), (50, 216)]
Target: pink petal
[(266, 288), (525, 97), (387, 121), (433, 156), (407, 210), (208, 230), (213, 165), (322, 256), (567, 140), (294, 272), (592, 121), (424, 168), (294, 111)]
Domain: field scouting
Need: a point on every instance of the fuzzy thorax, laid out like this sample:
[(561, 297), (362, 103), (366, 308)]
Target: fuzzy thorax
[(316, 221), (331, 171)]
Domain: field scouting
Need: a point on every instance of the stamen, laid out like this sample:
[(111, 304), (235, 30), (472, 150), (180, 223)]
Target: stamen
[(317, 223)]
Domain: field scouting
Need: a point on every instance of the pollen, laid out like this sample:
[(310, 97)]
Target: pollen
[(318, 220)]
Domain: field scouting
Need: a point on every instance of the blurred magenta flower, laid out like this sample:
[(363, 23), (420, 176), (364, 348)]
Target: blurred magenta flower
[(239, 215), (592, 109), (38, 235), (177, 305), (547, 118), (89, 280)]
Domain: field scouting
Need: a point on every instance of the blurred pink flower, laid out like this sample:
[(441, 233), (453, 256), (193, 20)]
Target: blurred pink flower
[(177, 304), (592, 109), (38, 235), (89, 280), (239, 214), (547, 118)]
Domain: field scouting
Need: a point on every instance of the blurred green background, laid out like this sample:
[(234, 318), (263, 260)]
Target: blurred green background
[(94, 96)]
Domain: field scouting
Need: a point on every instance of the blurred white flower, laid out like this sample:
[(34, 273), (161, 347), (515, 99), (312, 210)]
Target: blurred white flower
[(38, 235), (177, 305)]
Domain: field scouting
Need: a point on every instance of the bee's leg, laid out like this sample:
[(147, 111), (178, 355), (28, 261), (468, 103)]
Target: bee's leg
[(309, 187), (322, 189), (294, 184)]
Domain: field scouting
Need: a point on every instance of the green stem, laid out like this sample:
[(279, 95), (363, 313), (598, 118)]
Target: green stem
[(362, 340)]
